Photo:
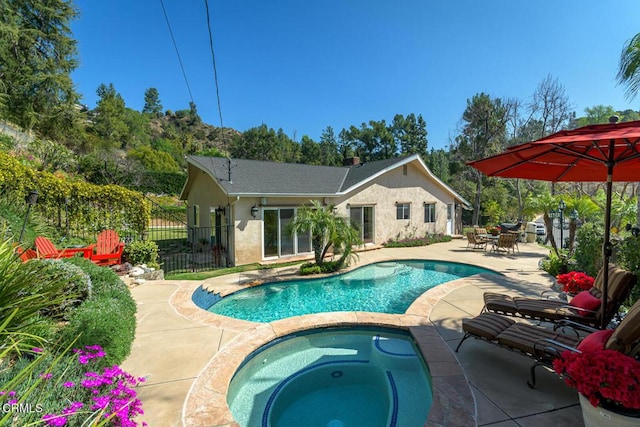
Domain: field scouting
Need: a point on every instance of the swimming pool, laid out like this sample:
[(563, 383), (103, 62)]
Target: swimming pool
[(386, 287), (334, 377)]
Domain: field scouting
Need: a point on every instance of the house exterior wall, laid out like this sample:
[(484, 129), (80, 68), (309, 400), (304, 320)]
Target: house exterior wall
[(248, 230), (246, 238), (415, 188)]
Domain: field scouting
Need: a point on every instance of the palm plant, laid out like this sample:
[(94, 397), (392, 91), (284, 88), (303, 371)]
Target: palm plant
[(328, 230), (629, 69)]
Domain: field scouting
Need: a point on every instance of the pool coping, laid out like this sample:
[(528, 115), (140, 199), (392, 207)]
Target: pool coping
[(453, 401)]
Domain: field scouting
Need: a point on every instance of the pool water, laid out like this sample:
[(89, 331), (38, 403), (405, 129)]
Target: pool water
[(333, 377), (387, 287)]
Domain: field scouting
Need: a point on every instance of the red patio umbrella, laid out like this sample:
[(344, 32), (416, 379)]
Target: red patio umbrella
[(595, 153)]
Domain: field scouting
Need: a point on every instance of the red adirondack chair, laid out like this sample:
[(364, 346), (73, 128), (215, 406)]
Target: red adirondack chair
[(108, 248), (46, 249), (26, 254)]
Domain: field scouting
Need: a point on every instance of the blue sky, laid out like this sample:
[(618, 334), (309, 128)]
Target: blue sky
[(305, 65)]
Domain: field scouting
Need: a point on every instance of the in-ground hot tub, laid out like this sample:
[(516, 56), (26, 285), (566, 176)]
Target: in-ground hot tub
[(359, 377)]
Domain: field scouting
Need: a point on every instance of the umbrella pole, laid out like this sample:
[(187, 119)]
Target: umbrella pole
[(607, 248)]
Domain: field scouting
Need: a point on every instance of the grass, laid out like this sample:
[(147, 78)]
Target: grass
[(201, 275)]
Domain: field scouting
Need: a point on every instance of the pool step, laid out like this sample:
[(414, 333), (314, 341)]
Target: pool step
[(393, 353)]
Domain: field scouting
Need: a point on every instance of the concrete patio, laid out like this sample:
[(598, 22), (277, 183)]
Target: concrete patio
[(175, 340)]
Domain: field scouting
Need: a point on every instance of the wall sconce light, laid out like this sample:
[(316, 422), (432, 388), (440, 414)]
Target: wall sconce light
[(30, 200), (254, 211)]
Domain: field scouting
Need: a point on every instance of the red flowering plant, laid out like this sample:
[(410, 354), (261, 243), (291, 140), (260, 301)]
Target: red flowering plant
[(606, 378), (575, 282)]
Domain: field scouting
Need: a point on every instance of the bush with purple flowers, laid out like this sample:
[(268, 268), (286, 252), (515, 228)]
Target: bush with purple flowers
[(70, 393)]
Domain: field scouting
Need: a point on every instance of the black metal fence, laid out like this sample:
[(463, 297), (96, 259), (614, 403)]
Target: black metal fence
[(184, 248), (181, 248)]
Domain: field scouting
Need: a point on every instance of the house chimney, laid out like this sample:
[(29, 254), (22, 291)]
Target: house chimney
[(351, 161)]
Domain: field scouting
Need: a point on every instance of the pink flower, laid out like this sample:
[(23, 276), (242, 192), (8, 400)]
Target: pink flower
[(68, 384), (604, 375)]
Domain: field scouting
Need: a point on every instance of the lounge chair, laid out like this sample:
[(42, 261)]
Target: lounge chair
[(476, 242), (506, 242), (544, 344), (584, 308), (26, 254), (46, 249), (108, 248)]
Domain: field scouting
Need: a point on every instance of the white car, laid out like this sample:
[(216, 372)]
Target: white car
[(541, 230)]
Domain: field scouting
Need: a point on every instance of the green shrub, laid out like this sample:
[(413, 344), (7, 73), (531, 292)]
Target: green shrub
[(142, 252), (105, 321), (628, 257), (588, 253), (331, 266), (107, 318), (555, 265), (429, 239), (309, 268), (77, 284)]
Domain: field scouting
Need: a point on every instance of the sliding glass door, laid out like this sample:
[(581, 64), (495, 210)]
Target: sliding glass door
[(277, 240), (362, 219)]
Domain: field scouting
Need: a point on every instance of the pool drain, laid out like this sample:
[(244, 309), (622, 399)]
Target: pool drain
[(336, 374), (335, 423)]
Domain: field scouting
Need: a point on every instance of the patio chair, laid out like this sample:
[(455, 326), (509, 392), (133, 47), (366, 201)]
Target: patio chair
[(480, 230), (544, 344), (46, 249), (475, 241), (108, 248), (506, 242), (585, 308), (26, 254)]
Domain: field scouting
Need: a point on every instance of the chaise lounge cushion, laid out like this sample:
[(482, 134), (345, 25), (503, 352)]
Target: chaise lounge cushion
[(487, 325), (595, 341), (586, 301)]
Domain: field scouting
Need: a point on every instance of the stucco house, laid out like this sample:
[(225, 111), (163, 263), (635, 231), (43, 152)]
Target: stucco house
[(242, 207)]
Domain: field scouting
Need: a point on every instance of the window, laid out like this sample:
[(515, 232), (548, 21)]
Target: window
[(196, 216), (403, 211), (429, 212), (404, 170)]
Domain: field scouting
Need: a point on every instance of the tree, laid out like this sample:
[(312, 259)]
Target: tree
[(484, 133), (327, 231), (329, 148), (109, 121), (264, 143), (154, 161), (37, 56), (438, 162), (551, 106), (310, 151), (629, 68), (629, 76), (410, 134), (152, 104)]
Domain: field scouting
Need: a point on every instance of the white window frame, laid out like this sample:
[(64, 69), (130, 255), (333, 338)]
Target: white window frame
[(403, 211), (430, 213), (296, 250)]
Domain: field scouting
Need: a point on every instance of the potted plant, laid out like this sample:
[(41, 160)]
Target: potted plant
[(608, 383), (494, 231), (574, 282)]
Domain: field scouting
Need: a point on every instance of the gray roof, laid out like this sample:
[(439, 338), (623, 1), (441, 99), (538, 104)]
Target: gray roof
[(263, 178)]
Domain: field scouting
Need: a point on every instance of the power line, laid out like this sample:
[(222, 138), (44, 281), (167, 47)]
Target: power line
[(177, 51), (213, 58)]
